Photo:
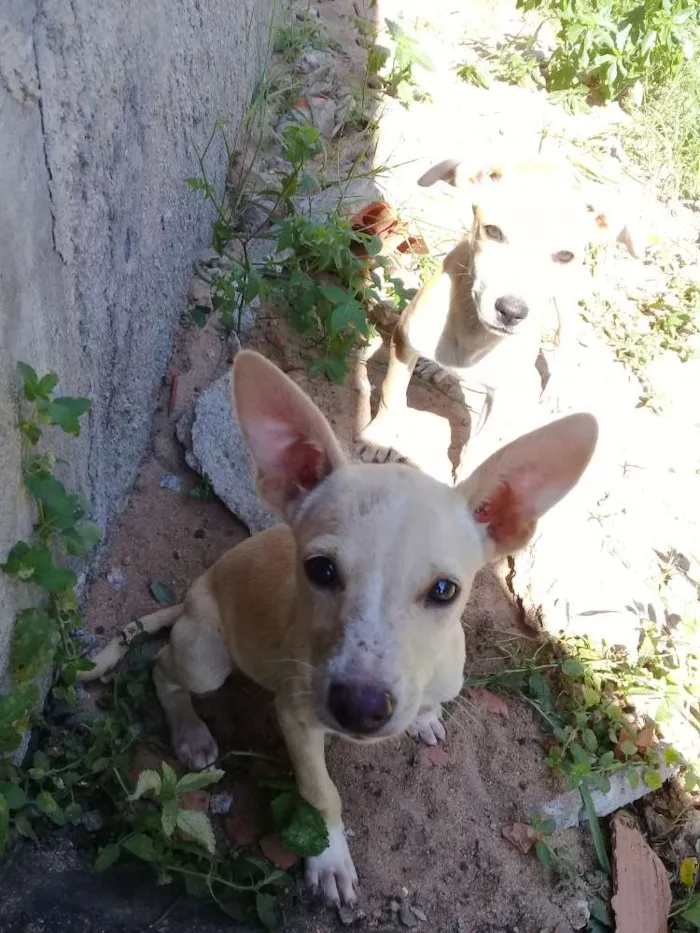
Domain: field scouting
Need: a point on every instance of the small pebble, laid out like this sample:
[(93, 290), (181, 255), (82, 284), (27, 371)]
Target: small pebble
[(92, 820), (349, 915), (172, 482), (220, 803), (116, 579), (419, 913), (406, 916)]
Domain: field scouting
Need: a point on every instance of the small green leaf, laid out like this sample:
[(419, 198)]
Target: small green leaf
[(25, 828), (65, 413), (573, 668), (168, 816), (30, 381), (107, 856), (35, 637), (301, 827), (169, 781), (197, 826), (162, 593), (14, 794), (198, 780), (148, 782), (46, 803), (267, 910), (692, 912), (141, 846), (36, 564), (653, 779), (628, 748), (82, 538)]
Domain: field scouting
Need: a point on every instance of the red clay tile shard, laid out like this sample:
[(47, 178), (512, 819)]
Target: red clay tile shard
[(273, 849), (487, 701), (642, 893), (521, 835), (240, 831), (437, 756), (194, 800)]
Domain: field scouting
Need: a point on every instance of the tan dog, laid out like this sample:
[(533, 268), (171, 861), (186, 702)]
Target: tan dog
[(351, 612), (481, 317)]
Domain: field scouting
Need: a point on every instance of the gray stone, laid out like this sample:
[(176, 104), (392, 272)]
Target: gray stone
[(102, 108), (219, 450), (116, 579), (172, 482), (220, 803), (568, 811)]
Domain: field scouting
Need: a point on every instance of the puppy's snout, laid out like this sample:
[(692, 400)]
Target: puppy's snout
[(511, 310), (360, 707)]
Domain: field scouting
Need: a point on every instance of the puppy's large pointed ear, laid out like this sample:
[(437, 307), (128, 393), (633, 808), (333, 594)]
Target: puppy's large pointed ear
[(456, 173), (292, 444), (511, 490)]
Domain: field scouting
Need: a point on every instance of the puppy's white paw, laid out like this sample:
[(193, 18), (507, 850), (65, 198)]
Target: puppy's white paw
[(375, 443), (332, 873), (195, 746), (427, 727)]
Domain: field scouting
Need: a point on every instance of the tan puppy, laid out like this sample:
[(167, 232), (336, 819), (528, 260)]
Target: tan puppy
[(481, 317), (351, 612)]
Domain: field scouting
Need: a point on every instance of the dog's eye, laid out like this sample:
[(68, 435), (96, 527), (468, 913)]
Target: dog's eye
[(443, 591), (563, 256), (322, 572), (494, 233)]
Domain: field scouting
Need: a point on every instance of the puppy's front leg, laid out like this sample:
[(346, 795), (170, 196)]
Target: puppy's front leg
[(377, 439), (332, 872)]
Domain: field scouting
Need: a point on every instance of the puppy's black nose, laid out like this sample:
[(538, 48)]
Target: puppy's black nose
[(360, 707), (511, 310)]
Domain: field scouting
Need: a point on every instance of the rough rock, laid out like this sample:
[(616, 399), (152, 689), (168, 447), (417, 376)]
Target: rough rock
[(567, 809), (219, 450)]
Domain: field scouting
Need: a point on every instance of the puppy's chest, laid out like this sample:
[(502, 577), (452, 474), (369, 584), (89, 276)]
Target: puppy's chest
[(490, 368)]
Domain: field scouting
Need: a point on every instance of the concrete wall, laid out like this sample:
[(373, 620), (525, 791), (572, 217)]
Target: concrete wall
[(102, 106)]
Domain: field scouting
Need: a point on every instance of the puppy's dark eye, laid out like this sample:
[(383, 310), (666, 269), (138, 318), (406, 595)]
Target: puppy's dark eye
[(494, 233), (322, 572), (443, 591), (563, 256)]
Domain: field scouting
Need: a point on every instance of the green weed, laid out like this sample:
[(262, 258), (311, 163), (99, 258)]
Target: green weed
[(81, 767), (607, 46), (397, 64)]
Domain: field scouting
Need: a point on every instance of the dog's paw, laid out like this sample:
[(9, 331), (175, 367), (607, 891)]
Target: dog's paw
[(332, 873), (195, 747), (428, 727), (376, 453)]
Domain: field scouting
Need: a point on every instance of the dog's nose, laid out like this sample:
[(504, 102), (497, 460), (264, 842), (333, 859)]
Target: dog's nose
[(360, 707), (511, 309)]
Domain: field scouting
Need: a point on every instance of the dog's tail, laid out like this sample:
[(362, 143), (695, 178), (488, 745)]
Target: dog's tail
[(115, 650)]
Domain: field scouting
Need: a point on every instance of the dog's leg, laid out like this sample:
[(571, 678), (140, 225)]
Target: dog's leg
[(509, 413), (332, 872), (197, 660), (377, 439), (445, 684)]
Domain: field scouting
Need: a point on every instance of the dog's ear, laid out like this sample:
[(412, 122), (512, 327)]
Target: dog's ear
[(611, 219), (455, 173), (292, 444), (511, 490)]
